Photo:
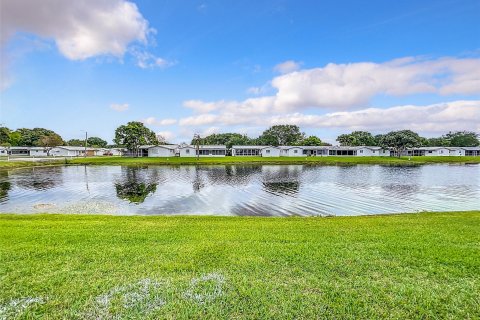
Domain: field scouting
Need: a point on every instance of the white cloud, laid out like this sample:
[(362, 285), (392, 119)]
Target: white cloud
[(119, 107), (81, 29), (287, 66), (146, 60), (343, 86), (456, 115), (159, 122), (167, 135)]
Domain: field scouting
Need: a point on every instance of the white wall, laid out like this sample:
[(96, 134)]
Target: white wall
[(188, 152), (270, 152), (38, 153), (61, 152), (459, 152), (161, 152), (439, 152), (291, 152)]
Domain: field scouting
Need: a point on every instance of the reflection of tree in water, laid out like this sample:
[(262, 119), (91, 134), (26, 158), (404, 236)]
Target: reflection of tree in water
[(5, 186), (289, 188), (136, 184), (197, 181), (40, 178)]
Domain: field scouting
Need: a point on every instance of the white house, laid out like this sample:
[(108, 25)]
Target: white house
[(456, 152), (366, 151), (203, 151), (162, 151), (315, 150), (19, 151), (259, 151), (69, 151), (291, 151), (38, 152), (3, 151), (472, 151), (436, 151)]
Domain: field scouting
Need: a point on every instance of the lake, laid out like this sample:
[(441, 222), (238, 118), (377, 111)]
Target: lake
[(243, 190)]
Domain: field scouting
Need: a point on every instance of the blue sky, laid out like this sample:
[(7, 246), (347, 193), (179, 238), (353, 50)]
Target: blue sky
[(161, 54)]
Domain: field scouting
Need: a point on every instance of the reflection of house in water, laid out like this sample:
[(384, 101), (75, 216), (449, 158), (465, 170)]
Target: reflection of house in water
[(5, 185), (136, 184)]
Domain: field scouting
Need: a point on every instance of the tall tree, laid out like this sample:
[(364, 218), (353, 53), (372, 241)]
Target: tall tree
[(228, 139), (76, 143), (31, 137), (357, 138), (462, 139), (133, 135), (49, 142), (96, 142), (282, 135), (312, 141), (399, 141), (4, 135)]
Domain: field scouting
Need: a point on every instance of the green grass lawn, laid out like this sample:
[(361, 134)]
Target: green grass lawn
[(241, 160), (408, 266)]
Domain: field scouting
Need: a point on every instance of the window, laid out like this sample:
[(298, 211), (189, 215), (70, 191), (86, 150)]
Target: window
[(187, 151), (430, 151), (361, 151), (267, 151), (295, 151)]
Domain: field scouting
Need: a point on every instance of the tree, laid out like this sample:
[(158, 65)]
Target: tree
[(228, 139), (133, 135), (49, 142), (4, 135), (161, 139), (30, 137), (76, 143), (281, 135), (462, 139), (357, 138), (312, 141), (96, 142), (399, 141)]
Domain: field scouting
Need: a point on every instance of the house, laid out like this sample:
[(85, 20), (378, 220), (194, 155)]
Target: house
[(291, 151), (262, 151), (434, 151), (367, 151), (203, 151), (69, 151), (19, 151), (3, 151), (472, 151), (163, 151), (456, 152), (116, 151), (38, 152), (320, 151)]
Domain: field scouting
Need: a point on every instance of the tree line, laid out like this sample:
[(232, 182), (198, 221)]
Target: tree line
[(41, 137), (134, 134)]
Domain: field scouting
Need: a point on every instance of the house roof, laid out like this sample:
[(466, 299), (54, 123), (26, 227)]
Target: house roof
[(253, 147), (71, 148), (203, 147)]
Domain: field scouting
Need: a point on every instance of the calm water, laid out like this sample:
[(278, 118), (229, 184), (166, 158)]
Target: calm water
[(278, 190)]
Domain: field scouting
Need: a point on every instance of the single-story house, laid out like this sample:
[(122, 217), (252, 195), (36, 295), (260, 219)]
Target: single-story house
[(69, 151), (163, 151), (456, 152), (3, 151), (472, 151), (38, 152), (315, 150), (291, 151), (19, 151), (203, 151), (259, 151)]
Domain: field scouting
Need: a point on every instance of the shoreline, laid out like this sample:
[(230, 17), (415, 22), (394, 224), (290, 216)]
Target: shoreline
[(332, 160)]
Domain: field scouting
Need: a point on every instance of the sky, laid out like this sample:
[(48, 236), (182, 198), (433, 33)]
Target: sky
[(184, 67)]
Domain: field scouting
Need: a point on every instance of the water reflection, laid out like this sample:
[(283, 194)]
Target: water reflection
[(270, 190), (5, 185), (136, 184)]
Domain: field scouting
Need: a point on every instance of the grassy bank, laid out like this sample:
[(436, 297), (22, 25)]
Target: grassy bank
[(240, 160), (273, 160), (399, 266)]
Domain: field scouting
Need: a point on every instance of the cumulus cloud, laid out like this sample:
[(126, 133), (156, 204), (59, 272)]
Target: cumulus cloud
[(146, 60), (168, 136), (343, 86), (81, 29), (159, 122), (456, 115), (119, 107), (287, 66)]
